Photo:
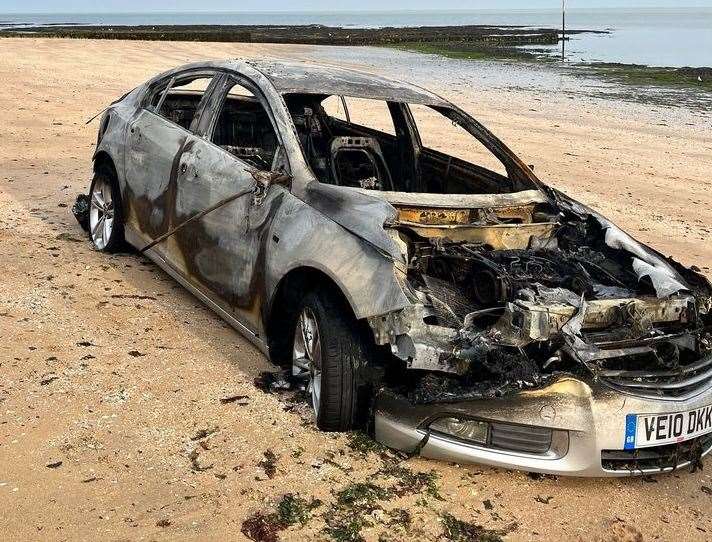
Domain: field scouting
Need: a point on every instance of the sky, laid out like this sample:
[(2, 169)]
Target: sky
[(75, 6)]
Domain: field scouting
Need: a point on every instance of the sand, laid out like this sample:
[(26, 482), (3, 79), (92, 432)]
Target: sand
[(109, 367)]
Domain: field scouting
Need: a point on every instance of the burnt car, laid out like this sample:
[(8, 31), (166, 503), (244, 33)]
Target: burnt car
[(408, 269)]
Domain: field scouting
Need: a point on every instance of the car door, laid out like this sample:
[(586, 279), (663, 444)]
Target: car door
[(219, 252), (155, 136)]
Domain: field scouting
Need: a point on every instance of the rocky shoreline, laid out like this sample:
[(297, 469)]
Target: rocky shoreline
[(506, 36)]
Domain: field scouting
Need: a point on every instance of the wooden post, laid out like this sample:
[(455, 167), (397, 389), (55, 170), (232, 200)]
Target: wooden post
[(563, 30)]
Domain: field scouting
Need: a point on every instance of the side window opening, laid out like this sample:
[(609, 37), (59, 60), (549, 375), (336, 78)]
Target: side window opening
[(157, 95), (180, 103), (243, 128), (369, 113), (336, 108)]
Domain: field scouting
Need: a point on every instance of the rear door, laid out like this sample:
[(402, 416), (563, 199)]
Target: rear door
[(156, 135)]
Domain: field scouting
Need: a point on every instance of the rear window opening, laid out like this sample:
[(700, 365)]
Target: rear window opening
[(395, 146)]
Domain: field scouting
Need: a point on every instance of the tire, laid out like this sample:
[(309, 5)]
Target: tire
[(106, 225), (340, 402)]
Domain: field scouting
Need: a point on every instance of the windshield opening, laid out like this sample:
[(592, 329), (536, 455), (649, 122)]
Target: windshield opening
[(395, 146)]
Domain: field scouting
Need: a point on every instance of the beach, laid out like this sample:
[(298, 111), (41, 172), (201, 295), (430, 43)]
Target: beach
[(118, 410)]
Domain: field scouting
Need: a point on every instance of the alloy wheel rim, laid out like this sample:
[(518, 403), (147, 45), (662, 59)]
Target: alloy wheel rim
[(306, 359), (101, 214)]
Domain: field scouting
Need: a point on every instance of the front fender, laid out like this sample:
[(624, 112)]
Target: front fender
[(364, 273)]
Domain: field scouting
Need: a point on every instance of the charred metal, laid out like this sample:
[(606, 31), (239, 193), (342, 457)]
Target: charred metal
[(486, 316), (578, 297)]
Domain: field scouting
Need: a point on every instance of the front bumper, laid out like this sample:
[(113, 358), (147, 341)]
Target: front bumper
[(592, 417)]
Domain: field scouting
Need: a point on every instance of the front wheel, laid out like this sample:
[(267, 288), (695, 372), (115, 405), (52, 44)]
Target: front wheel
[(329, 351), (105, 219)]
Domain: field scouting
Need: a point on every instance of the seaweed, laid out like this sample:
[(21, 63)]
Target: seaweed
[(354, 505), (457, 530), (291, 510), (409, 482), (363, 444), (262, 527)]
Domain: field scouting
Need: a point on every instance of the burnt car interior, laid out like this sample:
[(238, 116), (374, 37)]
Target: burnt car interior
[(346, 153), (242, 127)]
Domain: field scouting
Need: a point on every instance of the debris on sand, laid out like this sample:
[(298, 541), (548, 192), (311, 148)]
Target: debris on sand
[(54, 465), (262, 528), (48, 379), (80, 210), (409, 482), (293, 509), (200, 434), (118, 396), (242, 400), (353, 509), (133, 296), (195, 461), (273, 382), (363, 444), (269, 464)]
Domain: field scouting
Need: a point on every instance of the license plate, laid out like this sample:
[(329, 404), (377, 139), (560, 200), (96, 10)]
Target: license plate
[(644, 430)]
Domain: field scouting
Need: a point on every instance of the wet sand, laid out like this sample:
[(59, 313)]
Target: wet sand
[(112, 375)]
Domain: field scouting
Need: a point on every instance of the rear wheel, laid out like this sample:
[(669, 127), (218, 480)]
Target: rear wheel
[(105, 220), (329, 351)]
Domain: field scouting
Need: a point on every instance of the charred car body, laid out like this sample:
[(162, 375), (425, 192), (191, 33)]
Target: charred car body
[(468, 310)]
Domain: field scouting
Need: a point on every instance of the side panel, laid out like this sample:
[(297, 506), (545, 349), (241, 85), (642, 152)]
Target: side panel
[(152, 146)]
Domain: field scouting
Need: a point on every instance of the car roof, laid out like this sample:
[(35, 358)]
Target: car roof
[(302, 77), (309, 78)]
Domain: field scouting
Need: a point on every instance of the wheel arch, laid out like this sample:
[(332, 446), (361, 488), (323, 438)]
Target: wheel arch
[(103, 159), (284, 304)]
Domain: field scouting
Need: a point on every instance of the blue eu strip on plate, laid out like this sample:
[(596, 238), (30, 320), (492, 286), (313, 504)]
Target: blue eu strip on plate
[(631, 424)]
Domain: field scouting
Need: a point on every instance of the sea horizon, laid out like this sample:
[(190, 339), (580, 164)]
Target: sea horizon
[(653, 36)]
